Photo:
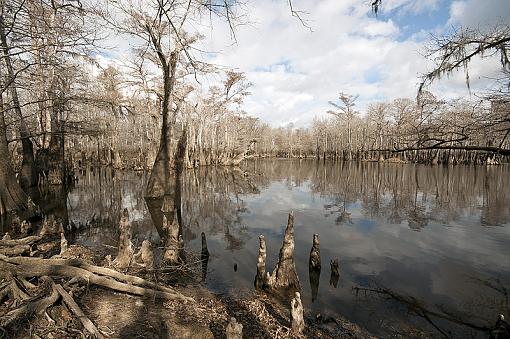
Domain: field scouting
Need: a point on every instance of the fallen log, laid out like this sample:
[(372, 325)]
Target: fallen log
[(46, 269), (73, 306)]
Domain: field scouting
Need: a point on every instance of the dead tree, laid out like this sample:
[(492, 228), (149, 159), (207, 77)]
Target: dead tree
[(284, 275), (126, 251), (260, 278), (296, 312)]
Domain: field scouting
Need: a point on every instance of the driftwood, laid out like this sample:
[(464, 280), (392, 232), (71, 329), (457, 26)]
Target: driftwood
[(234, 329), (126, 252), (32, 267), (296, 312), (260, 278), (73, 306), (284, 275)]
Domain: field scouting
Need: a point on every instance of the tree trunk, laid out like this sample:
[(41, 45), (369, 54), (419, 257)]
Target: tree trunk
[(161, 180), (12, 196), (28, 175)]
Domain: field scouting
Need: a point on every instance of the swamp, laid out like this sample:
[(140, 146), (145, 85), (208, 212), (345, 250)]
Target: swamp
[(254, 169)]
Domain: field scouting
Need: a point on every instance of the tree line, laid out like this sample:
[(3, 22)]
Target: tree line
[(62, 110)]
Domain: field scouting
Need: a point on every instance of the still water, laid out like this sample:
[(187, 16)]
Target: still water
[(429, 245)]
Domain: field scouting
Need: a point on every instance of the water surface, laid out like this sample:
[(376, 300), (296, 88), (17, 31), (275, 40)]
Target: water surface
[(432, 244)]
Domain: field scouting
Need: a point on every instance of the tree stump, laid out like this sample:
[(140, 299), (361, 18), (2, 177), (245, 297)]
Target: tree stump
[(284, 275), (234, 329), (296, 312), (125, 253), (260, 278)]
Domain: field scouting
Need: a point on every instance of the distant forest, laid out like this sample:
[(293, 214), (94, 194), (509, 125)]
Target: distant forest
[(60, 110)]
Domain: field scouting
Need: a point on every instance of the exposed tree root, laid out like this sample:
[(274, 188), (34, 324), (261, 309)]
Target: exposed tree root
[(34, 307), (73, 306), (32, 267)]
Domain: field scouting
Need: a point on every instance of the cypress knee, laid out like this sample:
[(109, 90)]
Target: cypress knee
[(260, 278)]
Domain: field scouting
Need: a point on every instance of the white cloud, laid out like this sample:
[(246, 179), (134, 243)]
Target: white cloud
[(479, 13)]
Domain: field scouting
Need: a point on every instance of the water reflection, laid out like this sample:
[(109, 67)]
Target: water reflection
[(437, 235)]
